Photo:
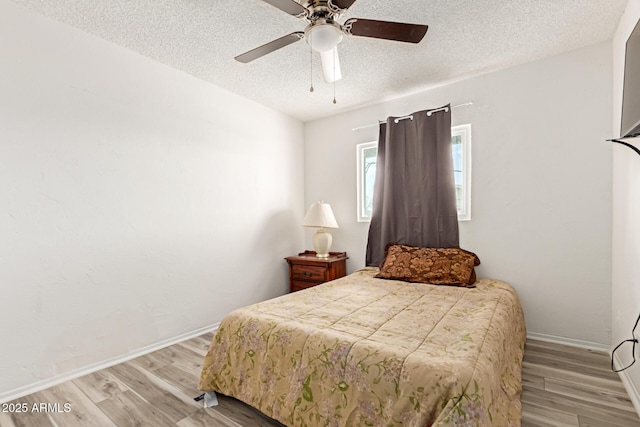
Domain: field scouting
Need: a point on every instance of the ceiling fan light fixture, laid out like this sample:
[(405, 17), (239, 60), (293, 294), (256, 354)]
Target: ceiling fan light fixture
[(323, 37), (331, 65)]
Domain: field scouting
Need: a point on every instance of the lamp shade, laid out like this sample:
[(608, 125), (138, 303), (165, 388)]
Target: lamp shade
[(320, 215)]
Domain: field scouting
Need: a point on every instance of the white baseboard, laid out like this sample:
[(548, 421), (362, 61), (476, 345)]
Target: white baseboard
[(569, 341), (58, 379), (632, 391)]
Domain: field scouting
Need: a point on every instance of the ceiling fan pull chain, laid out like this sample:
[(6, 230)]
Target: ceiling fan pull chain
[(334, 75), (311, 63)]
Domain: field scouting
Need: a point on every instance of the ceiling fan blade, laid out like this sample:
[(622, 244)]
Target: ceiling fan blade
[(343, 4), (399, 31), (288, 6), (331, 65), (269, 47)]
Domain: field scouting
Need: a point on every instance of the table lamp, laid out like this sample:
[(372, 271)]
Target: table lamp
[(320, 216)]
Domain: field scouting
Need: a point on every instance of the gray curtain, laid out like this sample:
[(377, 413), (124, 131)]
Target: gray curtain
[(414, 199)]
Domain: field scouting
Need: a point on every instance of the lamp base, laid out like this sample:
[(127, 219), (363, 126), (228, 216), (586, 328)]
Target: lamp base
[(322, 240)]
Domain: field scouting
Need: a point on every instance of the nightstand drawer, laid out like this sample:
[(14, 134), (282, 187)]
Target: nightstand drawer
[(307, 270), (312, 273), (298, 285)]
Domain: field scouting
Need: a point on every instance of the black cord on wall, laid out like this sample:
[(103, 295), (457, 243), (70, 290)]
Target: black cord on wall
[(626, 144), (633, 331), (633, 348)]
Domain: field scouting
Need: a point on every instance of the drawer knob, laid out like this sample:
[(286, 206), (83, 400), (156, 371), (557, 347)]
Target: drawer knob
[(307, 274)]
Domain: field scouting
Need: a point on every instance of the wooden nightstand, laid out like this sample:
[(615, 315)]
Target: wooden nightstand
[(307, 270)]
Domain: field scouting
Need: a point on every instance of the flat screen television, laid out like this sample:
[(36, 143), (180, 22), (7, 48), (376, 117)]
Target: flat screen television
[(630, 124)]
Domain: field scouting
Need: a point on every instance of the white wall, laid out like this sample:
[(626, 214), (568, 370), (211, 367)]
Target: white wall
[(136, 203), (626, 213), (541, 190)]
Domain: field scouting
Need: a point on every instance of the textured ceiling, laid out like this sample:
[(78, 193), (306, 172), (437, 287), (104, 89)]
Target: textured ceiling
[(465, 37)]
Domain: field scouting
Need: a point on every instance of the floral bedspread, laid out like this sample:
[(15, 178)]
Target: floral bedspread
[(361, 351)]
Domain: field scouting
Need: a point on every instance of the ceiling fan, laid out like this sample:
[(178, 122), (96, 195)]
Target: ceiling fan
[(324, 33)]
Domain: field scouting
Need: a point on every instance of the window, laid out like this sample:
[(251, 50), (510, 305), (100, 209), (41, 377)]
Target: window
[(461, 146), (366, 155)]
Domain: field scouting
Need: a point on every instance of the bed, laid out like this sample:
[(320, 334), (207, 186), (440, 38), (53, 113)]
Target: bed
[(365, 351)]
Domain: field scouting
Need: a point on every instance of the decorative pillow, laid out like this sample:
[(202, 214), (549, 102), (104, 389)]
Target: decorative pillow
[(437, 266)]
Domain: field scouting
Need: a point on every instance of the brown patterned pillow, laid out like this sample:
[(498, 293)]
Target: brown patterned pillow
[(437, 266)]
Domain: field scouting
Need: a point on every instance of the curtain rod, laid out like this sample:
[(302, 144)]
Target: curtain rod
[(429, 112)]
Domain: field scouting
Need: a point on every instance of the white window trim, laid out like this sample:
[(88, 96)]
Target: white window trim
[(464, 131), (360, 148)]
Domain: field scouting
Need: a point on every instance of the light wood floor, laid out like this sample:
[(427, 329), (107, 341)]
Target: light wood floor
[(567, 386), (563, 386)]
